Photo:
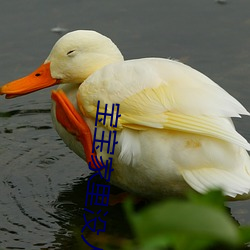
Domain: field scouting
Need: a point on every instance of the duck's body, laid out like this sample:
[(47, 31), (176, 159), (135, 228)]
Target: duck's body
[(138, 176), (175, 129), (150, 160)]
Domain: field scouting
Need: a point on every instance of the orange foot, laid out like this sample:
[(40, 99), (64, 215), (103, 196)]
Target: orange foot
[(120, 198), (115, 199), (71, 120)]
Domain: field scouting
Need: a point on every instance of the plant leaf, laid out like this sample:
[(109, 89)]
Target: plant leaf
[(182, 220)]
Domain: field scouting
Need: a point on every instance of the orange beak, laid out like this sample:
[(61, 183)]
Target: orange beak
[(41, 78)]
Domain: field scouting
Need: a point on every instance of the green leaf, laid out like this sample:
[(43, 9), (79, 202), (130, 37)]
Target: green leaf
[(177, 222), (212, 197), (245, 234)]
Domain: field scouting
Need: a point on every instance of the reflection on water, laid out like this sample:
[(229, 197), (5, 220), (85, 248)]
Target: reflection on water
[(42, 183), (43, 187), (35, 168), (72, 208)]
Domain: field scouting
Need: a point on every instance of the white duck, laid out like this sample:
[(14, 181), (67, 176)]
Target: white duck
[(175, 129)]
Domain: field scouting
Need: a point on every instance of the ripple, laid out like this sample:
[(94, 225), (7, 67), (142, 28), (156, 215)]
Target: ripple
[(35, 127), (48, 160), (65, 209), (8, 131), (20, 112), (7, 230), (30, 216)]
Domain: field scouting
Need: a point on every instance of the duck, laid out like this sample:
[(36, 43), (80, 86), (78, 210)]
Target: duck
[(174, 132)]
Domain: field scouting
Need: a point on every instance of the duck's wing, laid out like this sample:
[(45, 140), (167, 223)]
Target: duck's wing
[(163, 94)]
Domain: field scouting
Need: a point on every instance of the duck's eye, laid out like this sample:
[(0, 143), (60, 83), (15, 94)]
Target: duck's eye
[(71, 52)]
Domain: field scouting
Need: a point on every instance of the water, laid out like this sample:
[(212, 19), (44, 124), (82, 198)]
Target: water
[(42, 183)]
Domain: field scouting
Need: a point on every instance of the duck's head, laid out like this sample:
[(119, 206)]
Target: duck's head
[(73, 58)]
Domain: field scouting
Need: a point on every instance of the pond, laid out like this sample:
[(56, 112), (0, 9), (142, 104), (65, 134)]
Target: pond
[(42, 183)]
